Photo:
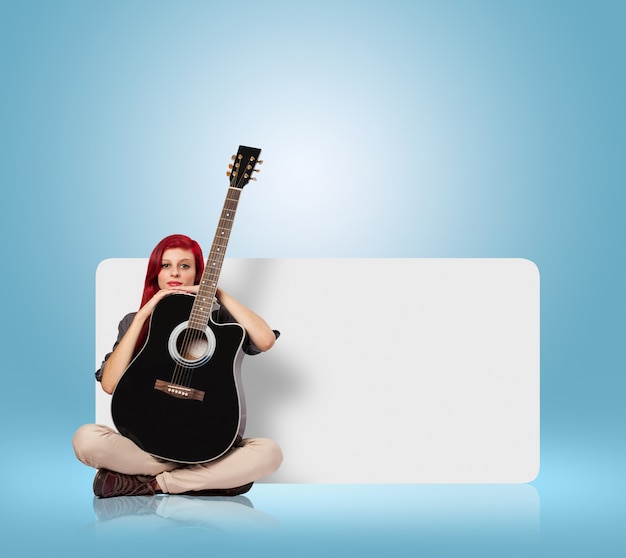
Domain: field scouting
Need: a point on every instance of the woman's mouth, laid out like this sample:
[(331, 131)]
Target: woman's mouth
[(174, 283)]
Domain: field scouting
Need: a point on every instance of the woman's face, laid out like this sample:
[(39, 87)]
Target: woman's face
[(178, 269)]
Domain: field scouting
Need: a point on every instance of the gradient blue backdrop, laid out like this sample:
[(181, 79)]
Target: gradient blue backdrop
[(389, 128)]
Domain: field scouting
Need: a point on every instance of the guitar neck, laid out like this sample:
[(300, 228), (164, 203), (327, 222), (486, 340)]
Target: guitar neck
[(240, 173), (203, 304)]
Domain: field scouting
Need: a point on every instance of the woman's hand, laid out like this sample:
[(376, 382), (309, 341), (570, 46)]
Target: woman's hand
[(259, 332), (146, 310)]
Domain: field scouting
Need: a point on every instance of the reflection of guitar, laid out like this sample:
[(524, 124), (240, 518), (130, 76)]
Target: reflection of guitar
[(181, 398)]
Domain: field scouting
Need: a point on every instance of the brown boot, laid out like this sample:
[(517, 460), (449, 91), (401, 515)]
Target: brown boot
[(109, 483)]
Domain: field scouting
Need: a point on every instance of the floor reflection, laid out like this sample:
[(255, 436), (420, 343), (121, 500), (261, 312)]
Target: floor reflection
[(165, 513), (419, 512)]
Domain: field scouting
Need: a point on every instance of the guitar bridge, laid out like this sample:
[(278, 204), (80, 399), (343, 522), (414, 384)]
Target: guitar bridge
[(176, 390)]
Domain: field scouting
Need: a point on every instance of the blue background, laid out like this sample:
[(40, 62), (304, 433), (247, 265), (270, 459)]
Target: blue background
[(389, 129)]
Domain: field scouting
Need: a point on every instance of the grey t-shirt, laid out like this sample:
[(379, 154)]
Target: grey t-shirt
[(220, 316)]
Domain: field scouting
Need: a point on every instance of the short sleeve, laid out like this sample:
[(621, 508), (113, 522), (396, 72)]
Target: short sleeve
[(122, 328)]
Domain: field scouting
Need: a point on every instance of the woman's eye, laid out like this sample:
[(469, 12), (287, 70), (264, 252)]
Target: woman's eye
[(165, 266), (185, 266)]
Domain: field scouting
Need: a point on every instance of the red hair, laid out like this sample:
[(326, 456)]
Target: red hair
[(151, 285)]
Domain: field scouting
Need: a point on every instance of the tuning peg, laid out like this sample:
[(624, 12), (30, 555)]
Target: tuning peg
[(260, 162)]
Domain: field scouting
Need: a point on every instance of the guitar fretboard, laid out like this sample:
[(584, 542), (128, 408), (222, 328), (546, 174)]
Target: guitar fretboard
[(203, 304)]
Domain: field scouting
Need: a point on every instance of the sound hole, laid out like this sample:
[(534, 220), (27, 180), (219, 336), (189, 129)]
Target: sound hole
[(191, 347)]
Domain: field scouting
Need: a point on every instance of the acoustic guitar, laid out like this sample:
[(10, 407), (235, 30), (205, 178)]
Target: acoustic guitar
[(181, 397)]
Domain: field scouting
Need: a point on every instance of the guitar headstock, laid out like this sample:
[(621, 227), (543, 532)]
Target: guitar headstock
[(243, 165)]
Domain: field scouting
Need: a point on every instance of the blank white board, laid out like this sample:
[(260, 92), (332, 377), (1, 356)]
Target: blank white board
[(386, 371)]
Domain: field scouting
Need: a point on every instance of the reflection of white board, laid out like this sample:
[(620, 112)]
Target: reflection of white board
[(387, 370)]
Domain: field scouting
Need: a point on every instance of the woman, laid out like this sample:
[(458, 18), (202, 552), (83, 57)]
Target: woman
[(175, 266)]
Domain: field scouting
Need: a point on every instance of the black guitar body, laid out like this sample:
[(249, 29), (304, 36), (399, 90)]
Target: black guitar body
[(177, 407)]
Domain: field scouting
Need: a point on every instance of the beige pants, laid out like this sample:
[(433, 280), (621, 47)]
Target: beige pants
[(101, 447)]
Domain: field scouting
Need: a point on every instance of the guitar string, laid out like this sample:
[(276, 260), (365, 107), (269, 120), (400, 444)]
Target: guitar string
[(197, 334), (191, 335), (225, 225), (194, 337)]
